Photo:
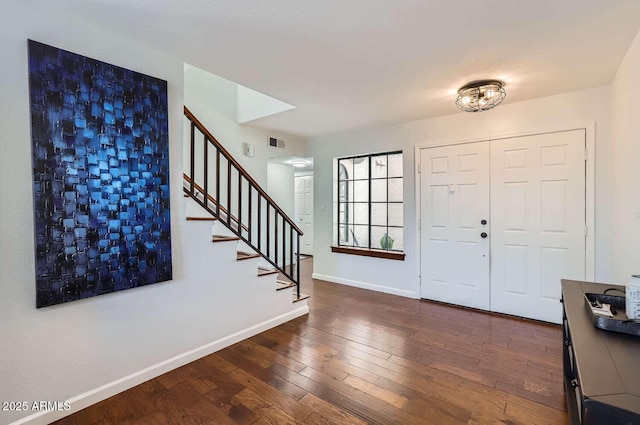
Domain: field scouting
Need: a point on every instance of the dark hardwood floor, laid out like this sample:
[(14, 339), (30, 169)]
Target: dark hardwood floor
[(362, 357)]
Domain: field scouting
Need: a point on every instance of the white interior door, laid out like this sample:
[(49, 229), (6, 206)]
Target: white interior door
[(304, 212), (538, 221), (454, 186)]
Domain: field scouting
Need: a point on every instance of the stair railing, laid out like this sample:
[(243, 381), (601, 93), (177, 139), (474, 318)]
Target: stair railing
[(218, 183)]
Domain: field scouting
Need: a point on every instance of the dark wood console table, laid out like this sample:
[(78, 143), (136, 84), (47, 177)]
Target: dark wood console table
[(601, 368)]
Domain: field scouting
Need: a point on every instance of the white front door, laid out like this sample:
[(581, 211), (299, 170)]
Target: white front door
[(454, 200), (538, 221), (304, 212), (535, 231)]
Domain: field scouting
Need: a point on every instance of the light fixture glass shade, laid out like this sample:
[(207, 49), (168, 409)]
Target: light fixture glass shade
[(299, 163), (480, 96)]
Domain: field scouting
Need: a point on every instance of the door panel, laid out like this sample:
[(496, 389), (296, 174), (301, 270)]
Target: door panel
[(538, 221), (304, 212), (454, 186), (298, 200)]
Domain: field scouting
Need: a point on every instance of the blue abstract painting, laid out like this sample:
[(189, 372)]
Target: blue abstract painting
[(100, 153)]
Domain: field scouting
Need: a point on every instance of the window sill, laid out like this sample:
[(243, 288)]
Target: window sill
[(390, 255)]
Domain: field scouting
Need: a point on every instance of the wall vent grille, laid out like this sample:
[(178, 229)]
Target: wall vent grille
[(276, 143)]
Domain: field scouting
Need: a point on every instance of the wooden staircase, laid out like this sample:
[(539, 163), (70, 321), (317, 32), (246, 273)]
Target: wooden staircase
[(221, 191), (221, 235)]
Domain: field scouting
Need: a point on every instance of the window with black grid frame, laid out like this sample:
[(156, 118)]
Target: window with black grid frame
[(370, 201)]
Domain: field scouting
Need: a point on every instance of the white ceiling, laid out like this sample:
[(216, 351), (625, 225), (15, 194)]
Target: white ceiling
[(350, 64)]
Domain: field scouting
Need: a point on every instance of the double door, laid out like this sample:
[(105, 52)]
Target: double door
[(503, 221)]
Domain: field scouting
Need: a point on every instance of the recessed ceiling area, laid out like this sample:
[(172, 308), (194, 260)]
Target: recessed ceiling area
[(357, 64), (253, 105), (293, 161), (249, 104)]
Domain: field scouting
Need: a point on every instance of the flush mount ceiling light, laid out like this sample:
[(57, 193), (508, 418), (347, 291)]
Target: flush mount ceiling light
[(299, 163), (480, 95)]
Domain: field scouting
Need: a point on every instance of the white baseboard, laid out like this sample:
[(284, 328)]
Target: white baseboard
[(94, 396), (365, 285)]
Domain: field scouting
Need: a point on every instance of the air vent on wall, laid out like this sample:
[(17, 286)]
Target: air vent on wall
[(276, 143)]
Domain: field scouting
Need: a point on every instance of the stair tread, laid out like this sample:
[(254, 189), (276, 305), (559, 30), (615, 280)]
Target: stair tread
[(267, 268), (302, 297), (224, 238), (266, 272), (282, 285), (202, 218), (246, 255)]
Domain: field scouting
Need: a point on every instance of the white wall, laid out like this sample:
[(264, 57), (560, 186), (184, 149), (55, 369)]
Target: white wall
[(625, 161), (70, 350), (280, 186), (564, 110)]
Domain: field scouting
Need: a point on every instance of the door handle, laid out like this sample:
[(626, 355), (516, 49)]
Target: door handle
[(483, 235)]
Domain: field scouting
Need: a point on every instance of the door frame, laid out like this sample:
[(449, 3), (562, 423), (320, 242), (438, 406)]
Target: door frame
[(589, 129)]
